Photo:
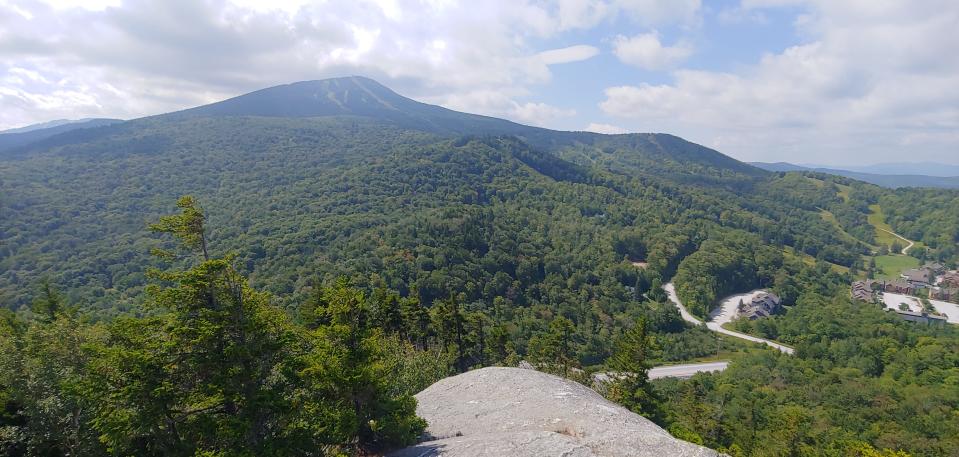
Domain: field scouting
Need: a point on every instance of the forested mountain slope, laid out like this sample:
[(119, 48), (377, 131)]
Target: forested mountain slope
[(307, 184)]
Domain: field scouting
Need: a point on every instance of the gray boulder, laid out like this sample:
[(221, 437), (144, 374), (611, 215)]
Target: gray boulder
[(517, 412)]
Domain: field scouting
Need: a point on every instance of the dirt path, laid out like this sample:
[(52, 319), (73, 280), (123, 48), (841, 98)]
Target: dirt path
[(717, 326), (905, 250)]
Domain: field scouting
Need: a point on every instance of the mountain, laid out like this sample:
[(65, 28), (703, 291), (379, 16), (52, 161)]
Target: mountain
[(14, 138), (44, 125), (354, 96), (335, 177), (891, 181)]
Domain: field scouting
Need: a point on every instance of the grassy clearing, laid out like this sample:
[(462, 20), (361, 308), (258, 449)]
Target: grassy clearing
[(878, 220), (843, 192), (809, 260), (828, 216), (818, 182), (889, 266)]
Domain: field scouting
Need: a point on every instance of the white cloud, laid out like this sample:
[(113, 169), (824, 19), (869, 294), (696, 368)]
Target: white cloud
[(539, 113), (154, 56), (646, 51), (567, 55), (605, 128), (870, 78), (582, 14), (654, 12)]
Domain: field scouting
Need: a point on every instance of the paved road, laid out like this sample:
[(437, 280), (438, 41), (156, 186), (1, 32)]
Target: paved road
[(905, 250), (716, 327), (686, 370)]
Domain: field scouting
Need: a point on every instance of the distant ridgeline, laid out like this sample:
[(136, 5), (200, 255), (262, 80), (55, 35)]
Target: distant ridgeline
[(891, 180)]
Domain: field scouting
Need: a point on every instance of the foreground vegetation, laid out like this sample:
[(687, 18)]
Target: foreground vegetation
[(214, 367)]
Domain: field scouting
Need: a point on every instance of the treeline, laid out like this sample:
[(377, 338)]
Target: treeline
[(211, 366), (303, 203), (860, 381)]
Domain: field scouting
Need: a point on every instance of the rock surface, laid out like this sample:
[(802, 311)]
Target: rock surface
[(518, 412)]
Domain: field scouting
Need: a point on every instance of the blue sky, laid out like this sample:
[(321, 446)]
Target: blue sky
[(808, 81), (720, 44)]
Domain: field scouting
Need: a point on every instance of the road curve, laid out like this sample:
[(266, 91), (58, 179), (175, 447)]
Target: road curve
[(670, 289), (905, 250)]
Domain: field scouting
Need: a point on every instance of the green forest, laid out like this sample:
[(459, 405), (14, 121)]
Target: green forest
[(322, 270)]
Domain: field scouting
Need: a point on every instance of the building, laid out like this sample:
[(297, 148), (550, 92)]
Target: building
[(950, 279), (936, 267), (900, 286), (919, 276), (950, 294), (763, 304), (913, 316), (863, 290)]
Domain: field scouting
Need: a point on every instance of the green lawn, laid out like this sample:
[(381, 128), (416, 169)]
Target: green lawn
[(878, 220), (831, 218), (844, 192), (889, 266), (807, 259)]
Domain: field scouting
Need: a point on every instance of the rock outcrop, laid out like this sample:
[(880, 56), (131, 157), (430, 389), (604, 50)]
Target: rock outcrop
[(519, 412)]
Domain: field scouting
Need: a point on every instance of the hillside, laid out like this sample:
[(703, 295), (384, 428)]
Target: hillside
[(312, 191)]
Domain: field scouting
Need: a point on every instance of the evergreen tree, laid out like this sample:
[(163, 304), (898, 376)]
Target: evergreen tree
[(630, 363), (416, 321), (354, 408), (449, 322), (49, 303)]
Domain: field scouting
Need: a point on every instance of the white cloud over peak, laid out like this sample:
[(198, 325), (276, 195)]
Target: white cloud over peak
[(539, 114), (150, 56), (605, 128), (646, 51)]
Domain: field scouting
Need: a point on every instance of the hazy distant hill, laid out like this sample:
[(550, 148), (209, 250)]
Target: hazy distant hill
[(14, 138), (901, 168), (891, 181)]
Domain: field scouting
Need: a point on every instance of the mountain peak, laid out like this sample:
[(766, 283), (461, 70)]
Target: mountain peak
[(351, 96)]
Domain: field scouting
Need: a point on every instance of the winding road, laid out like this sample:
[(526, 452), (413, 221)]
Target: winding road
[(905, 250), (716, 326)]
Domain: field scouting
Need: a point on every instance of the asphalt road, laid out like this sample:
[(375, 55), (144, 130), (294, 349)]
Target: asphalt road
[(716, 327), (685, 370)]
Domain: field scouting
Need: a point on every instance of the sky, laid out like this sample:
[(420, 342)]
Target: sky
[(806, 81)]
